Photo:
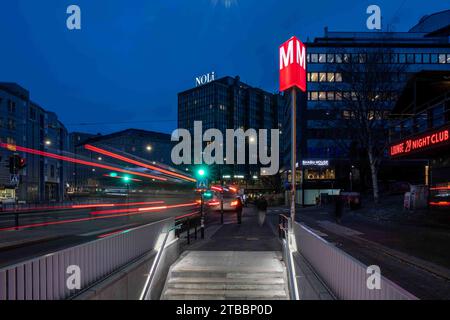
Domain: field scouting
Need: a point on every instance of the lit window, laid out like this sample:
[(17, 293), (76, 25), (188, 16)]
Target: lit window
[(314, 77), (314, 95), (346, 58), (338, 77), (322, 58), (330, 58), (448, 58), (338, 58), (322, 95), (322, 77), (442, 58), (330, 77), (314, 58), (330, 95)]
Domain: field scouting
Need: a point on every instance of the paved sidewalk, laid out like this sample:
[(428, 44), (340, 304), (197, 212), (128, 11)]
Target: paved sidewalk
[(248, 236)]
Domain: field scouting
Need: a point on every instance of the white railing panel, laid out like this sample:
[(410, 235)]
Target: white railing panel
[(344, 275)]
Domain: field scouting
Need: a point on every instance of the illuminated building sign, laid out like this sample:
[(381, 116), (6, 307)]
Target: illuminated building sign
[(204, 79), (318, 163), (292, 65), (420, 143)]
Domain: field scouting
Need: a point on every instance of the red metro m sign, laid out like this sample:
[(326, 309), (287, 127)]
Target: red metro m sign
[(293, 65)]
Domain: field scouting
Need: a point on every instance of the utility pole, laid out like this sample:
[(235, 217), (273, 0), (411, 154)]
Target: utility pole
[(293, 152)]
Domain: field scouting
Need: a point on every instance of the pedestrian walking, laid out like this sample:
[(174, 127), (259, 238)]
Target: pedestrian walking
[(239, 207), (262, 210)]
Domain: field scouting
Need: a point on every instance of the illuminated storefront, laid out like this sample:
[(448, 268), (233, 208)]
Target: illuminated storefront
[(423, 132)]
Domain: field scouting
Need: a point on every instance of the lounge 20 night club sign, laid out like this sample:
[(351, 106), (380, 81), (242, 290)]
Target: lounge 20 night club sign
[(421, 143)]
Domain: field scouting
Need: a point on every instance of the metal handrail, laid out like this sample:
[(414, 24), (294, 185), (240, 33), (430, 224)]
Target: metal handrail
[(283, 233), (151, 274)]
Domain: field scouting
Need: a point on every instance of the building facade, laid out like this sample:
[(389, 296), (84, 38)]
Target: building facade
[(426, 46), (149, 146), (25, 123), (228, 103), (420, 131)]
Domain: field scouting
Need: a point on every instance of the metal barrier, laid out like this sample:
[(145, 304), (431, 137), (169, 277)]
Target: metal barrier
[(186, 223), (283, 233), (345, 276), (46, 277)]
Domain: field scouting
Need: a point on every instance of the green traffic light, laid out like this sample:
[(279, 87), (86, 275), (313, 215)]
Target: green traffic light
[(113, 174), (201, 172), (126, 178)]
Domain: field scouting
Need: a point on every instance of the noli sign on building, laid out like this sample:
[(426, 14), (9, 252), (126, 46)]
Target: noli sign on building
[(292, 65), (421, 143)]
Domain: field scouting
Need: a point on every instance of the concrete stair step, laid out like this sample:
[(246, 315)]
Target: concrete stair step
[(233, 280), (192, 297), (225, 294), (196, 273), (225, 286)]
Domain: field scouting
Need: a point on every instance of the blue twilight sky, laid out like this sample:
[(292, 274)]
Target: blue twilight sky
[(131, 58)]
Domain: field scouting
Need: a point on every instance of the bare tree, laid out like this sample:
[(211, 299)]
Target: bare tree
[(371, 82)]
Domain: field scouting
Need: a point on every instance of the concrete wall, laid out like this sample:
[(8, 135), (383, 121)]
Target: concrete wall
[(128, 283)]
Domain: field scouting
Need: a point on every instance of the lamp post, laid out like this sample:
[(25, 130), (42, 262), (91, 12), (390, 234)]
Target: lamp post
[(127, 179)]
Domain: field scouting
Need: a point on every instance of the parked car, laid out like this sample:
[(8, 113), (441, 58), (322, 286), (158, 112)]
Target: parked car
[(229, 201)]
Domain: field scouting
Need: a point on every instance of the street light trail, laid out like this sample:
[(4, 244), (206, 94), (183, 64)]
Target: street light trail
[(138, 163), (78, 161), (133, 212), (83, 206)]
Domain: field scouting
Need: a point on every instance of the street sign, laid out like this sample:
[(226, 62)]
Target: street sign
[(14, 179), (293, 65), (202, 183)]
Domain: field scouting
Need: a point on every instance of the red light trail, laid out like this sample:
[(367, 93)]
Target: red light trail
[(85, 206), (138, 163), (51, 223), (78, 161)]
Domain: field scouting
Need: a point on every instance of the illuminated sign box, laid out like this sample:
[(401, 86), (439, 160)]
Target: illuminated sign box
[(318, 163), (420, 143), (292, 65)]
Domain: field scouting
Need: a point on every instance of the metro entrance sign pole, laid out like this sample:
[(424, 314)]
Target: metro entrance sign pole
[(293, 76)]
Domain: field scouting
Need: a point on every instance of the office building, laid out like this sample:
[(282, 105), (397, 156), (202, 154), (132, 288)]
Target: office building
[(425, 47), (229, 103), (25, 123)]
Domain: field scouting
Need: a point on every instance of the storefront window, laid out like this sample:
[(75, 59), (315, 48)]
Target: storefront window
[(318, 173)]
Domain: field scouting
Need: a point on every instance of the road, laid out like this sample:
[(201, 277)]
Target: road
[(44, 232)]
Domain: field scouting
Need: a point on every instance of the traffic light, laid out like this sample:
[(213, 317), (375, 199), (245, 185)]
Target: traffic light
[(16, 163), (207, 195), (126, 178), (113, 174), (201, 172)]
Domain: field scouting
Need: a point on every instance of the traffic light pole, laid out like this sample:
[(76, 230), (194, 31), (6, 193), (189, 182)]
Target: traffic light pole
[(202, 217)]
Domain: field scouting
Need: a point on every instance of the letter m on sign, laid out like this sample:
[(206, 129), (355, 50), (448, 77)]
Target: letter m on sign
[(292, 65)]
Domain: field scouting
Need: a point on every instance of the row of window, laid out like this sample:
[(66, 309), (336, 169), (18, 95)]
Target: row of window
[(10, 124), (11, 105), (324, 77), (346, 95), (425, 58)]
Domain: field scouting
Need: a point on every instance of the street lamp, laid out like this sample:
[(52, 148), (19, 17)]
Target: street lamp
[(47, 142), (149, 148)]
